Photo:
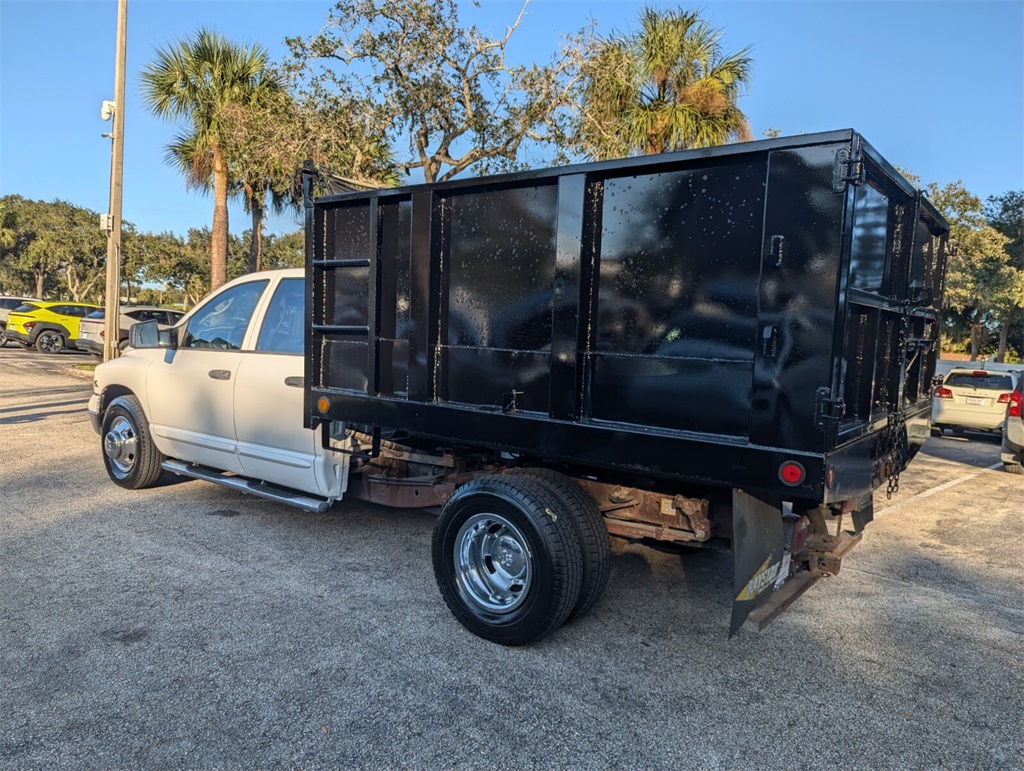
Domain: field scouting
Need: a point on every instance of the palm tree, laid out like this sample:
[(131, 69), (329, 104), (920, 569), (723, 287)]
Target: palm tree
[(666, 87), (193, 81)]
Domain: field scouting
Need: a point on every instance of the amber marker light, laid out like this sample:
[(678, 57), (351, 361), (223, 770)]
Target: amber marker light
[(322, 404)]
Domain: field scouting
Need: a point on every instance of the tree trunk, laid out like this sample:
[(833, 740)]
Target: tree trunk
[(256, 244), (219, 247), (40, 278), (976, 334), (1004, 337)]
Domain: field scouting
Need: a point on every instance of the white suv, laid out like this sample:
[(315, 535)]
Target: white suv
[(971, 399), (219, 396)]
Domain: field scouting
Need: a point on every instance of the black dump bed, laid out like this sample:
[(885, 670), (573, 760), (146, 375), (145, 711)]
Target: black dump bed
[(704, 316)]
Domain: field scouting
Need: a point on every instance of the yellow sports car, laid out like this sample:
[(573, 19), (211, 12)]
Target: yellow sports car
[(51, 326)]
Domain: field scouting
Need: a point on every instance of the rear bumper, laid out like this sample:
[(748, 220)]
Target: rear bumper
[(19, 337), (962, 417), (90, 346)]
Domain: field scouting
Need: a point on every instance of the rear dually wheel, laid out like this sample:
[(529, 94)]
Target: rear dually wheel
[(507, 559)]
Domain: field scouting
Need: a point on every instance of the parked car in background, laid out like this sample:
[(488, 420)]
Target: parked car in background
[(93, 327), (973, 399), (8, 304), (1012, 451), (49, 325)]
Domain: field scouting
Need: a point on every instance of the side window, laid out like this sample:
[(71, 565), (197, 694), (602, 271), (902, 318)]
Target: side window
[(221, 322), (282, 330)]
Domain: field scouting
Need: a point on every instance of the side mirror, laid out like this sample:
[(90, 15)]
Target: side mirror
[(167, 338), (147, 334)]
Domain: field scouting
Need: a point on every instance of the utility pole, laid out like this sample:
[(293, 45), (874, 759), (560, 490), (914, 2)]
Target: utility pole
[(112, 326)]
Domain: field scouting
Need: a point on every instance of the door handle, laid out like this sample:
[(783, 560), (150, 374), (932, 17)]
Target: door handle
[(295, 382), (220, 374)]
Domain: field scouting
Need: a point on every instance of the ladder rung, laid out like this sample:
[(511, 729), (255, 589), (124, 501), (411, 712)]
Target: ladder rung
[(359, 262), (342, 329)]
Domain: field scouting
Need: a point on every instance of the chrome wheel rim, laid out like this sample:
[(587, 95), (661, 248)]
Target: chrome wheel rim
[(120, 444), (493, 563)]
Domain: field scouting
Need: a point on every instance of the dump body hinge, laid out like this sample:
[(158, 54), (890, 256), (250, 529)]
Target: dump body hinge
[(848, 169), (921, 344)]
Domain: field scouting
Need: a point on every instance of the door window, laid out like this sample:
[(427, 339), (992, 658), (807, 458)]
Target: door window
[(221, 322), (283, 328)]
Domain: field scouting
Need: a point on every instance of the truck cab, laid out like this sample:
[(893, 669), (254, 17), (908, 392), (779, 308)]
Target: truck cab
[(221, 390)]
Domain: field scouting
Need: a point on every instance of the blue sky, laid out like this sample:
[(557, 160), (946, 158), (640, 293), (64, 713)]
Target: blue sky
[(936, 87)]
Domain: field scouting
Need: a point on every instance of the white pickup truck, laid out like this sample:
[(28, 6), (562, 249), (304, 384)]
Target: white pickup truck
[(221, 398)]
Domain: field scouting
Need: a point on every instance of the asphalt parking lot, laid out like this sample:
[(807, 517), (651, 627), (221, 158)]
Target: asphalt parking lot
[(190, 626)]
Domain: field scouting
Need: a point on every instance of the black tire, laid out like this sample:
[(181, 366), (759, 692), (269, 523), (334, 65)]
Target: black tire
[(1013, 468), (49, 341), (590, 530), (936, 430), (507, 559), (129, 455), (4, 340)]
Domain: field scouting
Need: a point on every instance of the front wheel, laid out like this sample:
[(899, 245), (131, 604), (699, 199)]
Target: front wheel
[(4, 340), (507, 559), (49, 341), (129, 455), (1013, 468)]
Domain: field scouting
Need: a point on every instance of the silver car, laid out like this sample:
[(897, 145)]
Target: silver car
[(92, 329), (8, 304), (1012, 451), (973, 399)]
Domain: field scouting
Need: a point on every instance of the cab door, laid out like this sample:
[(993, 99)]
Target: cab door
[(272, 444), (191, 389)]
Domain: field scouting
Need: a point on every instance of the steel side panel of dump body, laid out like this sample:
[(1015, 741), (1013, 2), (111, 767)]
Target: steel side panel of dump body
[(704, 316)]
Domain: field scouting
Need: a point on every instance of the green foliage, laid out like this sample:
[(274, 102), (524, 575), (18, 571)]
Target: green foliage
[(668, 86), (1006, 214), (408, 70), (285, 251), (193, 82), (983, 287), (54, 249), (268, 138)]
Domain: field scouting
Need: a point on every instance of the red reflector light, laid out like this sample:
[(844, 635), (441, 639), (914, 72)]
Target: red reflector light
[(943, 393), (1004, 398), (29, 324), (1014, 409), (792, 473), (103, 333)]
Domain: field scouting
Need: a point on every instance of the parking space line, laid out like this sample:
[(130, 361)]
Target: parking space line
[(939, 489)]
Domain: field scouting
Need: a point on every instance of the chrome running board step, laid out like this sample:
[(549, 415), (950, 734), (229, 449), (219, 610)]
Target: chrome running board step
[(250, 487)]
